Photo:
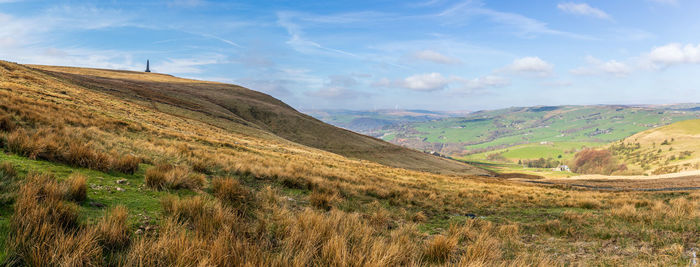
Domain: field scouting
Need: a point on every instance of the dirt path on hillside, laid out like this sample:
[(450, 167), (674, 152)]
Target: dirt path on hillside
[(683, 183), (635, 177)]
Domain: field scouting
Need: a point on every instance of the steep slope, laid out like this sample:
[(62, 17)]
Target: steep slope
[(668, 149), (230, 106)]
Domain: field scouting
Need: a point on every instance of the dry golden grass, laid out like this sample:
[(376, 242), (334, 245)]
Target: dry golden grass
[(46, 230), (60, 145), (8, 185), (166, 176), (380, 216), (324, 201), (230, 192), (76, 188), (112, 231), (7, 170), (440, 249), (6, 123)]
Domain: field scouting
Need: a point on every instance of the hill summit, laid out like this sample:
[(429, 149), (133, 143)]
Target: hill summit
[(245, 111)]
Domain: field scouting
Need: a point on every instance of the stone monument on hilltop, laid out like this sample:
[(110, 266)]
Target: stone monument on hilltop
[(148, 69)]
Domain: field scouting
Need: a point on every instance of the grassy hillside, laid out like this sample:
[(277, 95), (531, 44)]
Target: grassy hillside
[(231, 107), (372, 122), (520, 130), (668, 149), (115, 180)]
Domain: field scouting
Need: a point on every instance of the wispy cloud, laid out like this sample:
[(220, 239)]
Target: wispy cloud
[(220, 39), (188, 65), (297, 39), (583, 9), (435, 57), (523, 26), (481, 84)]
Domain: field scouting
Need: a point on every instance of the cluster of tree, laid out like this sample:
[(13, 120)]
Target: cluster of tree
[(623, 148), (540, 163), (592, 161)]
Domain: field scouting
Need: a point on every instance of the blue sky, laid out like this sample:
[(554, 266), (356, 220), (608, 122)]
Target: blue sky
[(423, 54)]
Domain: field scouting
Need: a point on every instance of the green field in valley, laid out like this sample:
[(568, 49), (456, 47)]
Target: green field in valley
[(517, 133)]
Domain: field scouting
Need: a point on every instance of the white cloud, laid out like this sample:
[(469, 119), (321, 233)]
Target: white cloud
[(425, 82), (530, 65), (582, 9), (435, 57), (674, 54), (597, 66), (480, 83), (429, 82)]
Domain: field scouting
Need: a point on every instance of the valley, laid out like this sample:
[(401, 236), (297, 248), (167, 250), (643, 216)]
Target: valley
[(513, 135), (128, 168)]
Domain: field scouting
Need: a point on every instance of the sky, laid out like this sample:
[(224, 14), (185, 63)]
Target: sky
[(366, 55)]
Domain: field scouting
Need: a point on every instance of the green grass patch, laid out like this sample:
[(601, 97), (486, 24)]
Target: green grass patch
[(441, 223), (104, 192)]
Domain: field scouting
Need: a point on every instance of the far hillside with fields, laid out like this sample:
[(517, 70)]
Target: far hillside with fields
[(669, 149), (536, 137)]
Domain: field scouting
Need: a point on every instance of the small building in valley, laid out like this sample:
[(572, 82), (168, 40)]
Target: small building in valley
[(562, 168)]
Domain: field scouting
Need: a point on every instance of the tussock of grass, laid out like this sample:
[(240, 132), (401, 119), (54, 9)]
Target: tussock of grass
[(486, 248), (230, 192), (419, 217), (76, 188), (440, 248), (112, 231), (6, 123), (322, 200), (128, 164), (8, 183), (199, 212), (166, 176), (7, 170), (45, 229), (202, 166)]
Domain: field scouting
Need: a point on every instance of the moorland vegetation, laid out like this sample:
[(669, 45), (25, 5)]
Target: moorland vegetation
[(109, 180)]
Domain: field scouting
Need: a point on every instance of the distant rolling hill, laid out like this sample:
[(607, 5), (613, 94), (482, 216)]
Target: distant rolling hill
[(668, 149), (238, 109), (526, 132), (372, 122)]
